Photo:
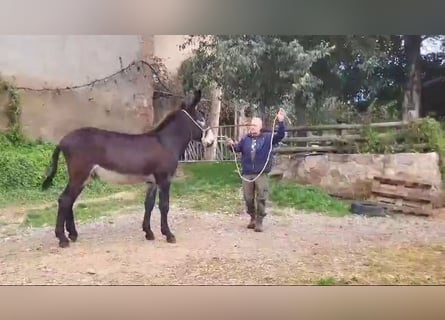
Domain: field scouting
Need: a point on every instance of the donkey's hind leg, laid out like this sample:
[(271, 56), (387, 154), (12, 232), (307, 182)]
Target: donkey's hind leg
[(65, 213), (70, 225)]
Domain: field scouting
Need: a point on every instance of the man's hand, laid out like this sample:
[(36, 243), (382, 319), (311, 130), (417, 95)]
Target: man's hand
[(281, 114), (230, 142)]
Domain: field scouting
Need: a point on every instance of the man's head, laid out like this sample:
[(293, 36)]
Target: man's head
[(255, 126)]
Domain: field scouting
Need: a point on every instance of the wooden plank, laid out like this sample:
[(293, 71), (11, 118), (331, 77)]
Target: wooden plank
[(397, 207), (406, 202), (406, 182), (381, 199), (395, 124), (287, 150), (416, 211), (342, 149), (402, 195), (327, 138), (400, 191), (375, 184)]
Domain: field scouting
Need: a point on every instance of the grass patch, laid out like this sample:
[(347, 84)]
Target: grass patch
[(216, 187), (17, 197), (410, 265), (329, 281), (407, 265), (208, 186), (290, 195), (84, 212), (413, 265), (23, 166)]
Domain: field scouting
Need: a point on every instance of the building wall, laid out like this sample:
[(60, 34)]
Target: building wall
[(167, 48), (37, 63), (123, 101)]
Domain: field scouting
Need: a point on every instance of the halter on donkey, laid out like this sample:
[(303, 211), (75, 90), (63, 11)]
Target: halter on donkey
[(121, 158)]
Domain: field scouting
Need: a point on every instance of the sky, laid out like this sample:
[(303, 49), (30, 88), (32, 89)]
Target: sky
[(430, 46)]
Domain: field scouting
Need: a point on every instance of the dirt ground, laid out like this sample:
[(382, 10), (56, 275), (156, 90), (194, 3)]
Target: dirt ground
[(296, 248)]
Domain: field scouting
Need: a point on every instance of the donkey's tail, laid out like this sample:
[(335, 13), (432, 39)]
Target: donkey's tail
[(52, 169)]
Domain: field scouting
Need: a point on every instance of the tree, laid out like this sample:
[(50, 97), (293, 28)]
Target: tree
[(412, 93), (264, 71)]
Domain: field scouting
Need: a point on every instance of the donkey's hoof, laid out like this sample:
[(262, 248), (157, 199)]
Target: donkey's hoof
[(73, 237), (171, 239), (149, 235), (64, 244)]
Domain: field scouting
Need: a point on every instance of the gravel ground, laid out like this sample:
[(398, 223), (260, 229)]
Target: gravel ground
[(296, 248)]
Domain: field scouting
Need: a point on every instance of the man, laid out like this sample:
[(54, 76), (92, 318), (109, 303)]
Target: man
[(254, 149)]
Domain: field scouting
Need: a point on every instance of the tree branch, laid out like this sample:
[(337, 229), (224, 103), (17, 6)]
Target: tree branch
[(433, 81)]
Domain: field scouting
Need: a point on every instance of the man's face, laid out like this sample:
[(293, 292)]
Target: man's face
[(255, 126)]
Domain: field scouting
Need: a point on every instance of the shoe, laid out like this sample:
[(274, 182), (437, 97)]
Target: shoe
[(259, 224), (251, 224)]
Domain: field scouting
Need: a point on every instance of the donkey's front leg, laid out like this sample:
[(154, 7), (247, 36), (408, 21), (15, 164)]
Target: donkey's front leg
[(149, 204), (164, 203)]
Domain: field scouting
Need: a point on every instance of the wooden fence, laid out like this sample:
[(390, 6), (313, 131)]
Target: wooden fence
[(338, 138), (195, 150), (335, 138)]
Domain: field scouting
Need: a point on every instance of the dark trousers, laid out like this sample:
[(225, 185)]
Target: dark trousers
[(255, 194)]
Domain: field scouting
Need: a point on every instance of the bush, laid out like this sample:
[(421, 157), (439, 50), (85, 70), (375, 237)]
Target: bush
[(424, 135), (24, 165)]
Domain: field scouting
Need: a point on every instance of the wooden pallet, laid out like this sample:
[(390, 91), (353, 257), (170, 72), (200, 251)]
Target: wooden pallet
[(406, 196)]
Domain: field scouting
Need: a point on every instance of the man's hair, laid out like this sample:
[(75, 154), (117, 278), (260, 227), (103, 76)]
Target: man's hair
[(258, 119)]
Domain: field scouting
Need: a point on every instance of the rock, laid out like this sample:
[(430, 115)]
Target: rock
[(351, 175)]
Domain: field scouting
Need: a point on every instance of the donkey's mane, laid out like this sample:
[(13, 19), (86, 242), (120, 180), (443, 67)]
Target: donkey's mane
[(170, 117)]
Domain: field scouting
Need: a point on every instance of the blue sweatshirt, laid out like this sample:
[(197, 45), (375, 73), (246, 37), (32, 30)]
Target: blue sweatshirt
[(253, 162)]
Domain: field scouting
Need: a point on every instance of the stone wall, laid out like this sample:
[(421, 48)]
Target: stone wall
[(350, 175)]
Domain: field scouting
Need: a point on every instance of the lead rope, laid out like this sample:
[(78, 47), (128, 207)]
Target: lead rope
[(196, 123), (268, 156), (233, 149)]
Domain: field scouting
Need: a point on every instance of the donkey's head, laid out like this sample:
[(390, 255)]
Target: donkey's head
[(199, 126)]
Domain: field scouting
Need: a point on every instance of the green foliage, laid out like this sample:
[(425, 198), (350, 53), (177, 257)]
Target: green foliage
[(288, 194), (364, 65), (205, 187), (329, 281), (373, 143), (380, 111), (429, 131), (331, 110), (13, 111), (216, 186), (300, 72), (264, 71), (424, 135), (24, 165)]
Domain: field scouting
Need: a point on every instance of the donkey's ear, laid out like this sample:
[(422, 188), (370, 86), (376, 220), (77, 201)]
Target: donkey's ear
[(196, 98)]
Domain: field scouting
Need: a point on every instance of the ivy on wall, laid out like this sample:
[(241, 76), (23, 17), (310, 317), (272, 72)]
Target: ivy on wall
[(13, 112)]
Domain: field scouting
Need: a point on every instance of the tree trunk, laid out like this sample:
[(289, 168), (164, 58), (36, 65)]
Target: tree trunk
[(241, 130), (215, 109), (300, 112), (412, 96)]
